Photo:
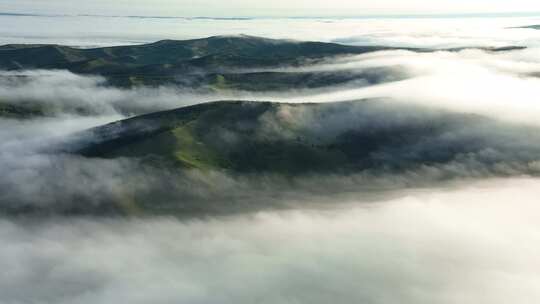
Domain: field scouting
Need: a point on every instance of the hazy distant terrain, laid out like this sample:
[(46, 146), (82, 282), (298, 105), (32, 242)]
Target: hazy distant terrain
[(534, 27)]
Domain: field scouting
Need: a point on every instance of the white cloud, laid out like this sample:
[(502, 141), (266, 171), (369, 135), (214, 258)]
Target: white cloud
[(499, 85), (470, 244), (62, 92)]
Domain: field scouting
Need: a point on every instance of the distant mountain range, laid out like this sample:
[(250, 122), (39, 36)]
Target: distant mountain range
[(214, 64), (196, 53), (220, 61), (170, 57)]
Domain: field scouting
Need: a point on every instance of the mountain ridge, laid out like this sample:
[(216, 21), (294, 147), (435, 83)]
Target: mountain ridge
[(207, 64), (289, 138)]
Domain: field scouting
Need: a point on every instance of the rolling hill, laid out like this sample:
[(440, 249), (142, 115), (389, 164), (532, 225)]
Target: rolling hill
[(162, 61), (209, 65), (297, 139), (196, 53), (218, 62), (236, 156)]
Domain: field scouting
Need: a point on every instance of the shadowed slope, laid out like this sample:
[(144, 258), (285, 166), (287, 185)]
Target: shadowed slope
[(231, 50)]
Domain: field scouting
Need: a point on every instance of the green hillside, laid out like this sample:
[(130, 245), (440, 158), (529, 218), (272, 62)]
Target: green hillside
[(187, 55), (297, 139), (209, 65), (234, 156), (173, 55), (177, 51)]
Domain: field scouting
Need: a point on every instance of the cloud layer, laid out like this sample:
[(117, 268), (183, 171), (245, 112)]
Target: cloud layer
[(469, 244), (369, 237), (500, 85)]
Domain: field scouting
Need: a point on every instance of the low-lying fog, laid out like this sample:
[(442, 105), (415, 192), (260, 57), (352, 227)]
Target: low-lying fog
[(475, 243), (474, 240)]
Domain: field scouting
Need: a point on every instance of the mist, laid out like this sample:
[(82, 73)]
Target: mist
[(470, 244), (59, 92), (501, 85)]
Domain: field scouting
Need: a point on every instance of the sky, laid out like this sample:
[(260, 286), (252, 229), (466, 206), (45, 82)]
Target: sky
[(220, 8)]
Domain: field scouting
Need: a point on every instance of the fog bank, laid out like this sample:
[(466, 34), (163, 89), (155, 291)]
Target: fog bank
[(469, 244)]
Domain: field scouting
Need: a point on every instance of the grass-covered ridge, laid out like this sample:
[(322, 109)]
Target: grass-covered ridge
[(222, 62), (234, 156), (292, 139), (159, 62), (198, 52)]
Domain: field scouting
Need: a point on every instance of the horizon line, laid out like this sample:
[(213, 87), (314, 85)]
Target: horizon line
[(247, 17)]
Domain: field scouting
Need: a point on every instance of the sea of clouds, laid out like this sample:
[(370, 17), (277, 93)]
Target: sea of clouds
[(364, 238), (476, 243)]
